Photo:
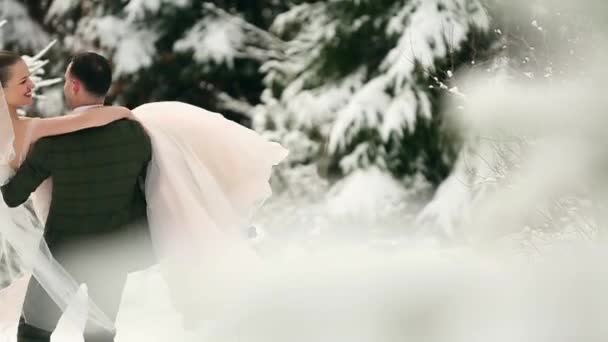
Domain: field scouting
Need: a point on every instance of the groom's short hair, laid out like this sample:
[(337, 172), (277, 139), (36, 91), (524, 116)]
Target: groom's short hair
[(93, 71)]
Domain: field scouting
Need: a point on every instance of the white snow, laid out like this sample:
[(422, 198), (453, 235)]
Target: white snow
[(365, 109), (134, 52), (400, 114), (60, 7), (320, 103), (20, 27), (364, 195), (216, 40), (133, 47), (138, 9), (352, 292), (221, 37)]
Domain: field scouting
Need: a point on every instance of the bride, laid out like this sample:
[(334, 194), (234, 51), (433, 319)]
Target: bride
[(206, 178)]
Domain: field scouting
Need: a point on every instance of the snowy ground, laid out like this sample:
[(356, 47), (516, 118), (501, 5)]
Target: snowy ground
[(340, 271), (322, 290)]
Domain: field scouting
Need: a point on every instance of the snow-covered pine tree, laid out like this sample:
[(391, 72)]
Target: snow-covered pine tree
[(206, 53), (360, 82), (23, 33)]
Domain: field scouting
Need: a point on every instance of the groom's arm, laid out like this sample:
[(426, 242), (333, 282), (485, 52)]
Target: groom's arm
[(31, 174)]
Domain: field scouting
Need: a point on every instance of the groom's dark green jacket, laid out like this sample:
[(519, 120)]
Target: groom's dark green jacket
[(97, 176)]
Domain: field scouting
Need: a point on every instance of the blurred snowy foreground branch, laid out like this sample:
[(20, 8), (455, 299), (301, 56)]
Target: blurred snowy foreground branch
[(533, 160)]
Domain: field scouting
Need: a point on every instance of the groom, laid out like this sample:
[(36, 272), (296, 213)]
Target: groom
[(96, 227)]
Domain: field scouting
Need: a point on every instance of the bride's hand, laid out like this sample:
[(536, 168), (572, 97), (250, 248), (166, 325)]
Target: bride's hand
[(130, 115), (123, 113), (112, 113)]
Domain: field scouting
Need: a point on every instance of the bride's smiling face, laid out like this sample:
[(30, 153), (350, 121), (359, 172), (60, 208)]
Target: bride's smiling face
[(18, 89)]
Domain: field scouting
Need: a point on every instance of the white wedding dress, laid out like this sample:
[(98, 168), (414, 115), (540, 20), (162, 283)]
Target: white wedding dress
[(207, 177)]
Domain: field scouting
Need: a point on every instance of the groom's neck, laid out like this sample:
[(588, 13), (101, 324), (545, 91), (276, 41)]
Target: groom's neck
[(87, 102)]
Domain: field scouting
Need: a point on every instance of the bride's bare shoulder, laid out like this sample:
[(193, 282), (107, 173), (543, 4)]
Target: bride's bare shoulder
[(26, 120), (27, 123)]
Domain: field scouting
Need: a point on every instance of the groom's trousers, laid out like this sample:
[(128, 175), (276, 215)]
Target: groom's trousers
[(102, 261)]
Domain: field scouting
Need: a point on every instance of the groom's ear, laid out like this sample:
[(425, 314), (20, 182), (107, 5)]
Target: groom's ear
[(75, 84)]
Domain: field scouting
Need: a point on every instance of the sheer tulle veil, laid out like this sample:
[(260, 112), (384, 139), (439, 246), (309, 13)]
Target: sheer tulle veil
[(7, 135)]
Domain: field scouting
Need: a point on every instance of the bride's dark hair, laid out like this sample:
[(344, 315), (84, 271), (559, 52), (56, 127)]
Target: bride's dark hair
[(7, 59)]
